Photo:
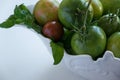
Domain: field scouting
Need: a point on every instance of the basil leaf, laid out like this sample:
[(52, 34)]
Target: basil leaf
[(9, 22), (21, 11), (22, 15), (28, 19), (57, 51)]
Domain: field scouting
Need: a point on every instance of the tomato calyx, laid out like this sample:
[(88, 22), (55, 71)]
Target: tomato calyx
[(112, 17), (110, 23)]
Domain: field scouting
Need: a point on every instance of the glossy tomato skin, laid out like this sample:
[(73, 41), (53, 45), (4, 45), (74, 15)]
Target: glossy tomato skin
[(110, 23), (93, 45), (53, 30), (113, 44), (45, 11), (97, 8), (72, 10), (67, 41)]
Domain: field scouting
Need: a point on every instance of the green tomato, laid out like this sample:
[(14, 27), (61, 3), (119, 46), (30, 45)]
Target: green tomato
[(67, 41), (93, 44), (45, 11), (71, 11), (98, 8), (113, 44), (110, 5), (110, 23)]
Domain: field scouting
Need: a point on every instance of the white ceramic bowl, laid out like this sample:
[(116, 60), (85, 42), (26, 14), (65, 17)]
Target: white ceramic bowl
[(105, 68)]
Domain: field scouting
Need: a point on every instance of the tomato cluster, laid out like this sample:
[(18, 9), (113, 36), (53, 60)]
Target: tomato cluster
[(83, 26)]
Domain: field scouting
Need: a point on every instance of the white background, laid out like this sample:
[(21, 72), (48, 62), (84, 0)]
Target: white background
[(23, 55)]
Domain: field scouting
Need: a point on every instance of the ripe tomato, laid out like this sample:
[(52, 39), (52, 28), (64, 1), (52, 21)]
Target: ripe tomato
[(45, 11), (53, 30), (93, 44)]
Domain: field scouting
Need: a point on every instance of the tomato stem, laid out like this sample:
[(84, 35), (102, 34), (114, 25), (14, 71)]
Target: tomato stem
[(86, 14), (81, 30)]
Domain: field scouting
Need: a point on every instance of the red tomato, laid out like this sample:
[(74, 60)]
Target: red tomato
[(53, 30)]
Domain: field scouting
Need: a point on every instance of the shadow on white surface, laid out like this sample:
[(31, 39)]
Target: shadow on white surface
[(24, 56)]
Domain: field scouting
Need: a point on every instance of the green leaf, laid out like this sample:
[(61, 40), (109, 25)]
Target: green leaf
[(18, 21), (21, 11), (35, 27), (9, 22), (22, 15), (57, 51)]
